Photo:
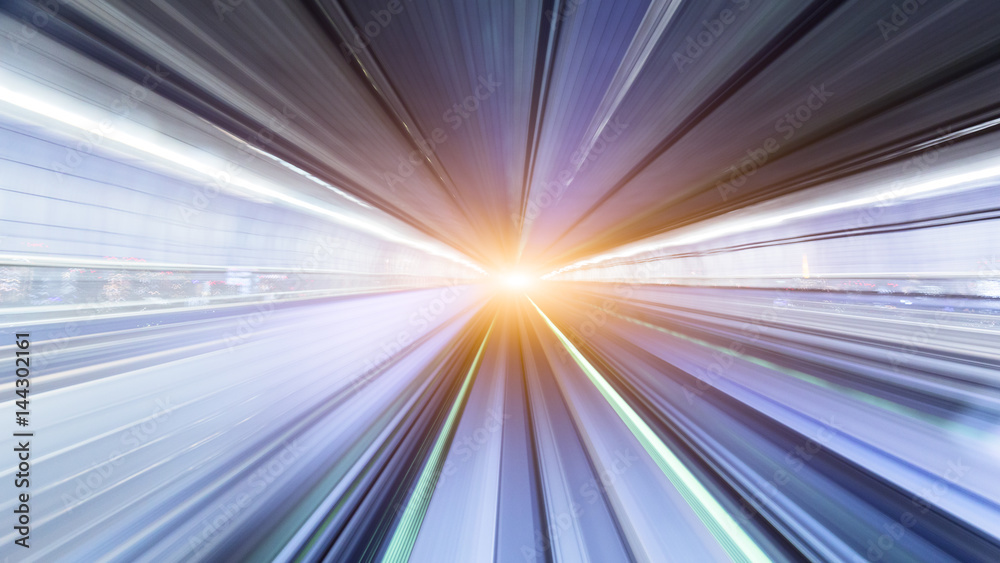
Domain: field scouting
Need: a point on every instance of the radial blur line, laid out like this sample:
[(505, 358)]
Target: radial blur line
[(795, 439), (572, 531), (466, 489), (726, 530), (405, 534), (520, 508), (543, 280)]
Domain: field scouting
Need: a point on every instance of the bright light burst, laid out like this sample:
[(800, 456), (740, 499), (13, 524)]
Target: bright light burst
[(515, 281), (472, 293)]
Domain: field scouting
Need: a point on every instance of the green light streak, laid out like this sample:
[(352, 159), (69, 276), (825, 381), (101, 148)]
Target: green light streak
[(733, 538), (405, 535)]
